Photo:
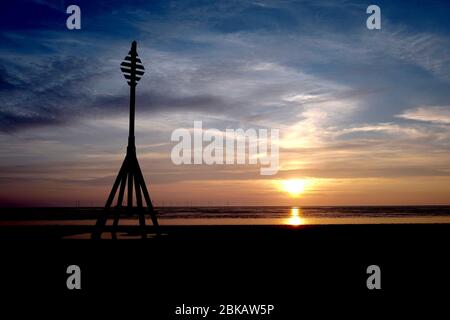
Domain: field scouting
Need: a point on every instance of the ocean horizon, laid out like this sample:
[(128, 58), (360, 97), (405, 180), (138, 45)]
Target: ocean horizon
[(238, 215)]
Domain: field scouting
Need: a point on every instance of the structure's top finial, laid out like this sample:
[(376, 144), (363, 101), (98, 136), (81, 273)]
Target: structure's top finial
[(132, 67)]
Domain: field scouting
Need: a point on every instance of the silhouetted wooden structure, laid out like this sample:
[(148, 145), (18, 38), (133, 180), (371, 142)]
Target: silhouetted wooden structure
[(130, 174)]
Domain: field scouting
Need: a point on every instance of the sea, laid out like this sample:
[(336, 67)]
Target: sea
[(243, 215)]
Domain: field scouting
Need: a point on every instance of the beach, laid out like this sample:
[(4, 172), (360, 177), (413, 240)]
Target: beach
[(293, 267)]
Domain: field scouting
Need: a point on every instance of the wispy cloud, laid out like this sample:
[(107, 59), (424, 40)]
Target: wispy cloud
[(434, 114)]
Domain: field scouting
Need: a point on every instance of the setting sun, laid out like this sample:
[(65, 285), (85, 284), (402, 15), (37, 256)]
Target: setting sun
[(294, 187)]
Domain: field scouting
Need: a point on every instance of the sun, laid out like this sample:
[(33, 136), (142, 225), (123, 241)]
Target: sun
[(294, 187)]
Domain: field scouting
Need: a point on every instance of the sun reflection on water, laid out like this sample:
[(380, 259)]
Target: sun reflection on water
[(295, 218)]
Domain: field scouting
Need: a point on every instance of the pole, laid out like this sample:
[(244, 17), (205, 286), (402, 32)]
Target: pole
[(131, 149), (131, 142)]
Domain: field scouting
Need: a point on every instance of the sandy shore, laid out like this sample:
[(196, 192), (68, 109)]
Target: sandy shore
[(299, 269)]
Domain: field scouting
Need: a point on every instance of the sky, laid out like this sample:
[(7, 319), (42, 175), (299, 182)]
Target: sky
[(364, 115)]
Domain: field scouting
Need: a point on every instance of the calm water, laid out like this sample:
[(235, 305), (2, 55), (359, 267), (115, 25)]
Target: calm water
[(304, 215), (239, 215)]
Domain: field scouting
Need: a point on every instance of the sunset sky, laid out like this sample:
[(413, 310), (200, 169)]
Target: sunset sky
[(364, 115)]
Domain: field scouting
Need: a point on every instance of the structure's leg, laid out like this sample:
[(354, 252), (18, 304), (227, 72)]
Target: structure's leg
[(121, 191), (130, 188), (101, 221), (116, 183), (142, 223), (139, 202), (146, 196), (141, 211), (116, 219), (118, 208), (129, 174), (137, 187)]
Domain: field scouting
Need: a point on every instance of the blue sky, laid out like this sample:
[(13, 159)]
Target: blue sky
[(360, 107)]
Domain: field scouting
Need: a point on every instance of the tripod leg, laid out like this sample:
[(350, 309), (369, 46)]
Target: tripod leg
[(116, 222), (130, 189), (116, 183), (101, 221), (139, 204), (118, 206), (142, 223), (121, 191), (146, 196), (137, 187)]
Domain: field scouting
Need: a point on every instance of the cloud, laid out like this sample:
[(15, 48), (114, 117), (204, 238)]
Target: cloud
[(426, 50), (396, 130), (434, 114), (46, 92)]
